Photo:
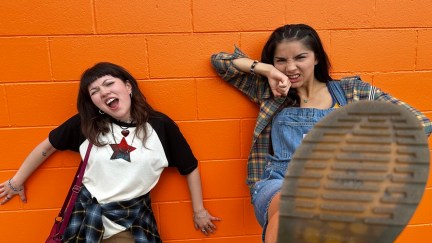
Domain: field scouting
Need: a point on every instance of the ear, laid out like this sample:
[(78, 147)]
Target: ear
[(316, 62), (128, 86)]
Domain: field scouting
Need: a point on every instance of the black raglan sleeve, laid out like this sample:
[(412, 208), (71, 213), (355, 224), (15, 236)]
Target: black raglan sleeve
[(67, 136), (177, 150)]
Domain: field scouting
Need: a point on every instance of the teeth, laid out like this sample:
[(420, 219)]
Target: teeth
[(294, 76), (110, 100)]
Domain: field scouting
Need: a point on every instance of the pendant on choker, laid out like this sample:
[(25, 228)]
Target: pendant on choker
[(125, 132)]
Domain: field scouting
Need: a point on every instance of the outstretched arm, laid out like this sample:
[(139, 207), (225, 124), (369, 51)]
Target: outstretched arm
[(202, 218), (15, 185)]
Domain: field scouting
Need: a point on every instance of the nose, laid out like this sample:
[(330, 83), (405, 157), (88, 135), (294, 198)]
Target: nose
[(290, 66), (104, 91)]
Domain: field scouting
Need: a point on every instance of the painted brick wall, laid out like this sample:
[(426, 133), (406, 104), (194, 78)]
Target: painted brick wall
[(46, 44)]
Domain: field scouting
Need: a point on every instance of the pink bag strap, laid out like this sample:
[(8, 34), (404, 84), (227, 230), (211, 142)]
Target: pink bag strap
[(69, 203)]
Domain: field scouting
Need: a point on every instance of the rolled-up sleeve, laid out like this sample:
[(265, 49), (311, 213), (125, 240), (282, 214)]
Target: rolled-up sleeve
[(254, 86)]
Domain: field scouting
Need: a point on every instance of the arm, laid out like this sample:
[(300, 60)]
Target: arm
[(15, 185), (279, 82), (427, 125), (202, 219), (355, 89), (235, 69)]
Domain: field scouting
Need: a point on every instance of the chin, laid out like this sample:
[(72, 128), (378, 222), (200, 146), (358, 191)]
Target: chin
[(296, 85)]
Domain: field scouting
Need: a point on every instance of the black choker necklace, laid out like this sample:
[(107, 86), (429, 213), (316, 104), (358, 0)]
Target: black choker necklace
[(121, 150)]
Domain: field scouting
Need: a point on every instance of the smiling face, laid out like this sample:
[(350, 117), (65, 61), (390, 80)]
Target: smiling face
[(112, 96), (296, 61)]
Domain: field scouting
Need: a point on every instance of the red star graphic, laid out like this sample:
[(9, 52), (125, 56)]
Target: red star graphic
[(122, 150)]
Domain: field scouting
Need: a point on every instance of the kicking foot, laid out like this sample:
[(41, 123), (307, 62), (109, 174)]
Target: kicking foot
[(358, 176)]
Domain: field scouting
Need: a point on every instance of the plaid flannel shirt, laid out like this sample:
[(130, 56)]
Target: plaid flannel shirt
[(86, 221), (258, 90)]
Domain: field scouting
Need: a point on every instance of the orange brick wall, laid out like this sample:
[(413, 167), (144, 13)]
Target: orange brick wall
[(45, 45)]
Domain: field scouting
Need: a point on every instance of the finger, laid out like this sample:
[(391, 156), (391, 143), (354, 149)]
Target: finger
[(23, 198), (283, 91), (5, 200), (284, 80), (212, 226), (215, 218), (204, 231), (276, 93), (209, 229)]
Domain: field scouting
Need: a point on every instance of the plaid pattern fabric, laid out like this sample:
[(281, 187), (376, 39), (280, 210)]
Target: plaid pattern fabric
[(136, 215), (258, 90)]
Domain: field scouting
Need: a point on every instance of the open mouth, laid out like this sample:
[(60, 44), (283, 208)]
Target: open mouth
[(112, 102), (296, 76)]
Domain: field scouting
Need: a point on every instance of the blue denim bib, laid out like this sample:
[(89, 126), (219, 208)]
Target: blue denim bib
[(289, 127)]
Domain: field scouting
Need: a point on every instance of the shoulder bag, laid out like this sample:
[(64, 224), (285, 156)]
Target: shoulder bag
[(62, 220)]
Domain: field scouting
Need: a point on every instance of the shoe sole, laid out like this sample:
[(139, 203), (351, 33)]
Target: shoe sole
[(358, 176)]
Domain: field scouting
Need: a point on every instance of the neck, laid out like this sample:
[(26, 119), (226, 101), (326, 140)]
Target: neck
[(311, 89), (130, 120)]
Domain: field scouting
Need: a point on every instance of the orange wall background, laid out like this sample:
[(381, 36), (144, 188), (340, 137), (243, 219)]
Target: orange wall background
[(46, 44)]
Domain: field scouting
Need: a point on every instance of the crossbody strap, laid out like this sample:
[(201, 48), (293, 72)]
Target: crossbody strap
[(74, 190)]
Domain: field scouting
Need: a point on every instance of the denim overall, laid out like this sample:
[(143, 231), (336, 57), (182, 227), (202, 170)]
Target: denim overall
[(289, 127)]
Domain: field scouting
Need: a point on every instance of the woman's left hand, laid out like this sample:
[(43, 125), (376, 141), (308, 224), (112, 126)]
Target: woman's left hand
[(203, 222)]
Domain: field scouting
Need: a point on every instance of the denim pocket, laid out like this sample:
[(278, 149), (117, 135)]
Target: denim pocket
[(289, 137)]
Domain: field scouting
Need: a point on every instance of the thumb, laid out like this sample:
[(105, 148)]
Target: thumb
[(23, 197)]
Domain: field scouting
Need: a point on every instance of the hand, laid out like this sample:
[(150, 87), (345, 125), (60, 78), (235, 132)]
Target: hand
[(8, 190), (279, 82), (203, 222)]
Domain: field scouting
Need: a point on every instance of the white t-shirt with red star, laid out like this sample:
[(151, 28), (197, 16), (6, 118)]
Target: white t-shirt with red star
[(109, 176)]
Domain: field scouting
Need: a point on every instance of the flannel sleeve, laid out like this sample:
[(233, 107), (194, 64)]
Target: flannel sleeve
[(378, 94), (253, 86)]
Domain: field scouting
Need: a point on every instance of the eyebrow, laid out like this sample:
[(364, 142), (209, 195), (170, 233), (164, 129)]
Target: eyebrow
[(103, 82), (303, 53)]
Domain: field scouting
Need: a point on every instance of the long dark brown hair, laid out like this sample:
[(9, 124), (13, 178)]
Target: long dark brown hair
[(310, 38), (93, 123)]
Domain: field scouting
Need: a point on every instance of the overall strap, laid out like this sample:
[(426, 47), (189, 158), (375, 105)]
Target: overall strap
[(337, 93)]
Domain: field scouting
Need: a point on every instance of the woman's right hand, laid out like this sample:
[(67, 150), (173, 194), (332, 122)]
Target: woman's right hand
[(8, 190), (15, 185), (279, 82)]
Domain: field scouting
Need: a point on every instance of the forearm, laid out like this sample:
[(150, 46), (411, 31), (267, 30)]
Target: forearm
[(194, 183), (35, 158), (244, 64), (235, 69)]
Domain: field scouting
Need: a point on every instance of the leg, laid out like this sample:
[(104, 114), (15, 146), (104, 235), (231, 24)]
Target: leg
[(357, 176), (273, 220), (122, 237), (265, 199)]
